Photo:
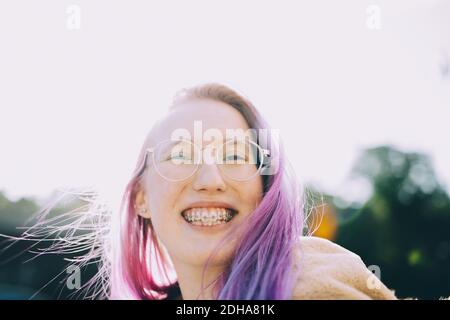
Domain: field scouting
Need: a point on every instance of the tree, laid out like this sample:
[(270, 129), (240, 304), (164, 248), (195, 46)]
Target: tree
[(404, 227)]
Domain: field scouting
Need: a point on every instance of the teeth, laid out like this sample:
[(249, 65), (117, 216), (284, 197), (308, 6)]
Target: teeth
[(207, 216)]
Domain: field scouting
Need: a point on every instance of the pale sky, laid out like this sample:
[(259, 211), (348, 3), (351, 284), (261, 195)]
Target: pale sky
[(76, 104)]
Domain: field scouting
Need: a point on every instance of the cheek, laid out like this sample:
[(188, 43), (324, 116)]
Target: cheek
[(251, 192), (161, 198)]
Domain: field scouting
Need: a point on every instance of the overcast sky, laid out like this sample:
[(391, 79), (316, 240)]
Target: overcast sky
[(76, 103)]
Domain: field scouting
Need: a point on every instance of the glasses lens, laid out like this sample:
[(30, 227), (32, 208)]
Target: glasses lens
[(176, 160), (239, 159)]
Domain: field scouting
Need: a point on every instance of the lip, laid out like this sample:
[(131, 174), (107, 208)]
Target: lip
[(210, 204), (213, 229)]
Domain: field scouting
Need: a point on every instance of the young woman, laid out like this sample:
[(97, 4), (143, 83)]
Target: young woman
[(213, 211)]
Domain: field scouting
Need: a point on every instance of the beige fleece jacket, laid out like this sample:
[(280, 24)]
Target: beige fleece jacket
[(326, 270)]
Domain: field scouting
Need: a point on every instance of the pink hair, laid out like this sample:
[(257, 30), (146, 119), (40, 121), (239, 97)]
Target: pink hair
[(134, 265)]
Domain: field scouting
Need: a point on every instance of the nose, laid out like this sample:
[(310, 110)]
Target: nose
[(208, 178)]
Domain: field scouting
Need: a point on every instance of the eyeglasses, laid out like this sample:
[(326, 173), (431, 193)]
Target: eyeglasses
[(239, 160)]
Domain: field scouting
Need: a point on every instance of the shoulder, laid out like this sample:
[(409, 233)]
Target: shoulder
[(326, 270)]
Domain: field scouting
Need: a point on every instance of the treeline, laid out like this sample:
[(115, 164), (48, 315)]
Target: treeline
[(403, 229)]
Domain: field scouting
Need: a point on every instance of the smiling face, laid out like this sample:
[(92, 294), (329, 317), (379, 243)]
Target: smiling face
[(191, 235)]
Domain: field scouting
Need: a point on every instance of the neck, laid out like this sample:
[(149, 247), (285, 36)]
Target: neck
[(190, 280)]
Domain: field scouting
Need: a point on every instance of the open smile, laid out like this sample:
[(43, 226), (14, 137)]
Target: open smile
[(208, 216)]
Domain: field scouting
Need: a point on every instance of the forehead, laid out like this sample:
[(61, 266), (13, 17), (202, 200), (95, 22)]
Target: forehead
[(205, 115)]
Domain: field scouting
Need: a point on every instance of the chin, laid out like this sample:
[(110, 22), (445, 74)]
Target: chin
[(199, 256)]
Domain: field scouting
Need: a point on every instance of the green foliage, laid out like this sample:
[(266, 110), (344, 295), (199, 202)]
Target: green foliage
[(14, 214), (405, 226)]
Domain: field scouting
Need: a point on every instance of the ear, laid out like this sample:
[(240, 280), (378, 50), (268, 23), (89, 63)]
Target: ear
[(140, 203)]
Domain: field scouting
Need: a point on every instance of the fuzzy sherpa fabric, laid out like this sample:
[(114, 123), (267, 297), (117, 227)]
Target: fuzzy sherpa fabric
[(325, 270)]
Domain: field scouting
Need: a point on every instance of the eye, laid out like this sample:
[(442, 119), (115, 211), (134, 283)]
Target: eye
[(237, 152), (181, 152), (235, 157), (179, 155)]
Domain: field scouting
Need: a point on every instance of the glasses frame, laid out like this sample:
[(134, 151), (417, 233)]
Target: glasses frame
[(265, 154)]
